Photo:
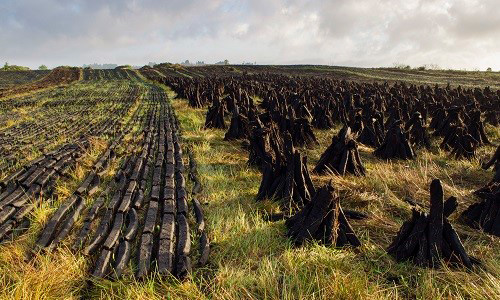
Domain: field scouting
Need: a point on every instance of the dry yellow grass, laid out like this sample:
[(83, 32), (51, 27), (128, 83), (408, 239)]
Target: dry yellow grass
[(252, 259), (55, 275), (59, 274)]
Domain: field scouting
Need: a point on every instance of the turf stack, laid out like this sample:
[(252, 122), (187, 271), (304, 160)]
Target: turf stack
[(427, 238), (322, 220), (396, 144), (238, 129), (494, 185), (341, 156), (260, 146), (460, 142), (372, 133), (215, 115), (418, 131), (485, 215), (288, 178)]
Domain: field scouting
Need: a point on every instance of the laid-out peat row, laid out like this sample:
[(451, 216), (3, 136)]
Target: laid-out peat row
[(20, 191), (140, 220), (12, 78), (34, 182), (109, 74), (204, 243), (61, 222), (63, 115), (57, 76)]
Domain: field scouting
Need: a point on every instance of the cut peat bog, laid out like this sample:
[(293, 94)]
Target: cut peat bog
[(249, 182)]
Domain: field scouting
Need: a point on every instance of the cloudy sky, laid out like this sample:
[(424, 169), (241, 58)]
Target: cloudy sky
[(370, 33)]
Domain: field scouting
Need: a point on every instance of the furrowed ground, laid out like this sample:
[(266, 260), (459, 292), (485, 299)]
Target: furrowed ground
[(12, 78), (94, 161)]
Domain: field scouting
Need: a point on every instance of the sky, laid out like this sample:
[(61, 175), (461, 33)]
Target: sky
[(458, 34)]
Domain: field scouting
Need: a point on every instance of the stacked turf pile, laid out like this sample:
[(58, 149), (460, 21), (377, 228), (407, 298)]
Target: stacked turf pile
[(396, 144), (494, 185), (418, 131), (485, 215), (238, 128), (341, 156), (215, 115), (427, 238), (322, 220), (287, 179)]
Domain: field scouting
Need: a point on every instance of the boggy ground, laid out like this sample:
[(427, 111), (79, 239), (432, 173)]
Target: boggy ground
[(251, 258), (391, 75)]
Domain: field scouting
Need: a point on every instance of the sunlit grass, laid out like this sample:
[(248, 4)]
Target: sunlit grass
[(251, 258)]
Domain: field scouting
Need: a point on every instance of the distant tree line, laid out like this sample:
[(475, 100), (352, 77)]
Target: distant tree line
[(202, 63), (426, 67), (7, 67), (101, 66), (224, 62), (188, 63)]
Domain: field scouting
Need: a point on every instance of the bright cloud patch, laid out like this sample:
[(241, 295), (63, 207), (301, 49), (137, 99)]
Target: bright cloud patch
[(370, 33)]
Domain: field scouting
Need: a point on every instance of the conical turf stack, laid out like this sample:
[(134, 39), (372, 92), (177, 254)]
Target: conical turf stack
[(341, 156), (287, 179), (322, 220), (396, 144), (427, 238)]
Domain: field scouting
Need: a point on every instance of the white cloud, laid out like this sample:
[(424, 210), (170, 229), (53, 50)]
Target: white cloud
[(241, 30), (449, 33)]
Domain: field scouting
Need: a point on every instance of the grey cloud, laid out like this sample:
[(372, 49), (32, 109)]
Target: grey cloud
[(450, 33)]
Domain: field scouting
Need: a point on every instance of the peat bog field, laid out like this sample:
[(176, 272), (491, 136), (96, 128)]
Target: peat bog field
[(249, 182)]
